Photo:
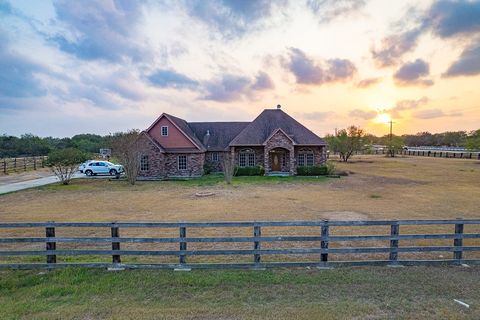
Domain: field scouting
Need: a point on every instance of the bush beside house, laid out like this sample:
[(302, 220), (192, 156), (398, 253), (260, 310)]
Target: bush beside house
[(249, 171)]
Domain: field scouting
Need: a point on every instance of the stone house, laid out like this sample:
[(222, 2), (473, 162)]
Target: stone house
[(274, 140)]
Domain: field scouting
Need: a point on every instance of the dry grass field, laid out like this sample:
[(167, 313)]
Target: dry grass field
[(377, 188)]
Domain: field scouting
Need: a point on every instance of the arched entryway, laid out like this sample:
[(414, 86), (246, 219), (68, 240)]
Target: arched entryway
[(279, 160)]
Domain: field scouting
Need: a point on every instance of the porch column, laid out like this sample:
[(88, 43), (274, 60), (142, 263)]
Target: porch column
[(266, 160), (293, 165)]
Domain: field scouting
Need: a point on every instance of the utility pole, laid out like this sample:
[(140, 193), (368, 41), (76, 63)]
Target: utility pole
[(391, 135), (392, 152)]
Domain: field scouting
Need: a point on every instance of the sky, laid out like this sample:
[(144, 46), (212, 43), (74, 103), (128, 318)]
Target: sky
[(103, 66)]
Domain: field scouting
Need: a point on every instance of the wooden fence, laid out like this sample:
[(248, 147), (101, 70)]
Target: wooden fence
[(442, 154), (433, 153), (321, 246), (9, 165)]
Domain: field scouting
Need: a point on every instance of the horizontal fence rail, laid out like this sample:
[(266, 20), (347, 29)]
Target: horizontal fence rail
[(9, 165), (324, 245)]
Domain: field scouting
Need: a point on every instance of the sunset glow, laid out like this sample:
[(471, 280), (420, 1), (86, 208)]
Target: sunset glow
[(69, 67), (383, 118)]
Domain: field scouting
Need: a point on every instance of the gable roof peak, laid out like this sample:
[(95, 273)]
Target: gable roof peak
[(269, 121)]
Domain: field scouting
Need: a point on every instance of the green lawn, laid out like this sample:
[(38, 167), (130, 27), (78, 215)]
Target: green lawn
[(207, 180), (373, 293)]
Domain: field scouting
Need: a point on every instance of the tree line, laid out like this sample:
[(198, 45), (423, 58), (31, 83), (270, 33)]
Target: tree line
[(354, 139), (444, 139), (31, 145)]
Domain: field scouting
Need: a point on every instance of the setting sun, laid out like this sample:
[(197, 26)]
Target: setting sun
[(383, 118)]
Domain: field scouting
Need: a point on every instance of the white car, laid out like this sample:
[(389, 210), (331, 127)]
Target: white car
[(102, 167), (81, 168)]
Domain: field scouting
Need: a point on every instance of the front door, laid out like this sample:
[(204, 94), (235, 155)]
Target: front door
[(276, 162)]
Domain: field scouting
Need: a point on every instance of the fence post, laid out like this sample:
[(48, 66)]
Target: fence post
[(183, 244), (15, 164), (50, 246), (115, 244), (34, 163), (43, 162), (5, 166), (394, 231), (324, 242), (24, 164), (257, 232), (458, 242)]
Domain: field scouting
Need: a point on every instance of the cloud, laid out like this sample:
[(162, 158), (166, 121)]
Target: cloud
[(445, 19), (394, 46), (435, 113), (410, 104), (361, 114), (450, 18), (366, 83), (231, 87), (100, 30), (263, 82), (231, 18), (413, 73), (18, 74), (327, 10), (308, 71), (171, 79), (468, 64)]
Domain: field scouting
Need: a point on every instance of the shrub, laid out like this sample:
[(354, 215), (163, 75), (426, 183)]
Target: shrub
[(312, 170), (330, 167), (65, 162), (249, 171), (208, 168)]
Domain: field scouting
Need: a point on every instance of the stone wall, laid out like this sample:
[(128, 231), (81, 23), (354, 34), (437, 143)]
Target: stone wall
[(195, 163), (258, 155), (156, 160), (217, 166), (319, 153), (280, 140)]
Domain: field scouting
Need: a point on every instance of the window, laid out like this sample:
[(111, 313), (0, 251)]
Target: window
[(144, 165), (246, 158), (182, 162), (305, 158), (284, 160), (164, 131), (301, 159), (215, 156), (309, 159)]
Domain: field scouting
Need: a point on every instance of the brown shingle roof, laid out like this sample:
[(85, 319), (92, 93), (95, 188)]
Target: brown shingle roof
[(224, 134), (220, 133), (267, 122)]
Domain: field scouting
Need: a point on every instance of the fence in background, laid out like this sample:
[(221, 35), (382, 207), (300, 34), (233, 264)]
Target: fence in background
[(442, 154), (320, 245), (433, 153), (9, 165)]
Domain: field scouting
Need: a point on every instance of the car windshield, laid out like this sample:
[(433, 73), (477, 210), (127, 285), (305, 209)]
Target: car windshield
[(109, 163)]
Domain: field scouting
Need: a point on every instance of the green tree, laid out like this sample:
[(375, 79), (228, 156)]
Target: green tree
[(473, 140), (394, 144), (65, 162), (346, 142)]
